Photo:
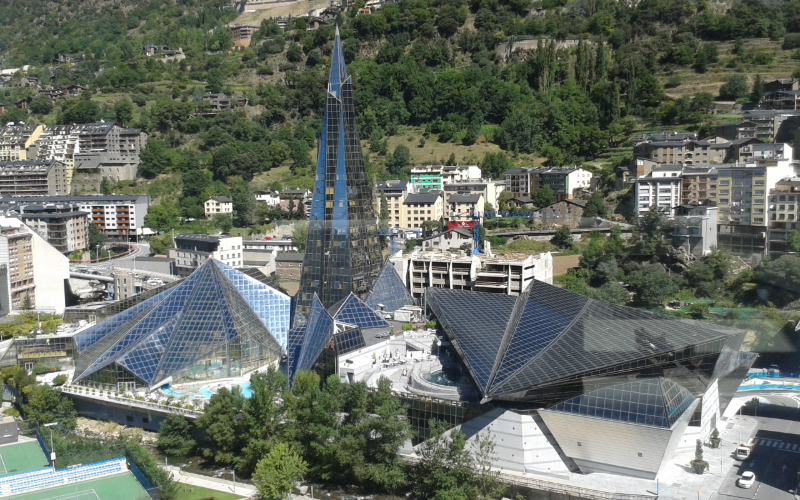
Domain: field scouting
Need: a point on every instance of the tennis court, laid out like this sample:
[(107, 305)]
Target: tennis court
[(22, 457), (117, 487)]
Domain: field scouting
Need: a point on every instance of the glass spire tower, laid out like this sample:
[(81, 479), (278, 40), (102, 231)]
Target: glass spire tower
[(343, 254)]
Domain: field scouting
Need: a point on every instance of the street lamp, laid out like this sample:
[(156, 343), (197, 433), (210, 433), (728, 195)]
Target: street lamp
[(52, 450)]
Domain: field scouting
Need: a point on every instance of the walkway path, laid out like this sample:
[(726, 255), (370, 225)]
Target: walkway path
[(212, 483)]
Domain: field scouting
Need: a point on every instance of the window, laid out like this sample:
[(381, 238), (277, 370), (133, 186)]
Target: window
[(129, 418)]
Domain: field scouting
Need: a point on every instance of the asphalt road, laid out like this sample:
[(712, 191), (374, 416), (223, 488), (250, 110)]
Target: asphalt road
[(775, 462)]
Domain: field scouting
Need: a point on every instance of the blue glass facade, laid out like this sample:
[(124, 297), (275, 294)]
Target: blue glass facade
[(389, 291), (549, 344), (217, 323), (355, 312), (342, 250), (655, 402)]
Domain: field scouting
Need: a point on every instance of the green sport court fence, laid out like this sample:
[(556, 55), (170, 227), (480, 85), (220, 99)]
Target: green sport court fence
[(117, 487), (82, 452)]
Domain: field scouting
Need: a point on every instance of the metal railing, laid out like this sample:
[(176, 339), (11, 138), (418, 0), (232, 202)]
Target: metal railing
[(132, 401)]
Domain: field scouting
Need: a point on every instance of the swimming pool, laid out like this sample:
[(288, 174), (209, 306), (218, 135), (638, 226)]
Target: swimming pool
[(206, 391)]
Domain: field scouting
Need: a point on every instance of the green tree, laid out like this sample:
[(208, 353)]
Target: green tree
[(223, 222), (244, 203), (294, 53), (757, 92), (277, 472), (562, 238), (300, 235), (261, 417), (106, 186), (221, 423), (612, 292), (123, 112), (431, 227), (494, 164), (543, 197), (161, 218), (793, 241), (42, 104), (27, 303), (595, 206), (175, 436), (399, 160), (81, 110), (96, 237), (734, 88), (45, 404), (215, 79), (651, 285), (410, 245), (444, 470)]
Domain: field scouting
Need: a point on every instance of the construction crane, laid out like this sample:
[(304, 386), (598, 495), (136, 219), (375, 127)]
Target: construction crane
[(476, 233)]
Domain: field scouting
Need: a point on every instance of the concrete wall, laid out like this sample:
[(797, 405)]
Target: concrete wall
[(50, 273), (165, 266), (613, 447), (142, 418)]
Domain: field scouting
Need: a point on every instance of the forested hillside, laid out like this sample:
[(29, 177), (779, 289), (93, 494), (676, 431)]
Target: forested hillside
[(429, 81)]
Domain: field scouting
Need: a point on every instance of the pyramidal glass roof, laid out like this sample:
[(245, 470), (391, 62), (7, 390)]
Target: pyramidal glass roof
[(514, 344), (354, 311), (316, 333), (389, 291), (174, 329), (657, 402)]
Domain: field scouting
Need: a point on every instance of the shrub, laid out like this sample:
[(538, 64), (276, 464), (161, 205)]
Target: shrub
[(60, 380), (408, 327), (40, 368), (791, 41)]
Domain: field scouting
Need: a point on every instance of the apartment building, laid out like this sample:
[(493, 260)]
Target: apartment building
[(781, 99), (784, 199), (743, 191), (192, 250), (124, 285), (436, 176), (427, 205), (688, 152), (95, 149), (395, 192), (626, 174), (29, 266), (664, 136), (18, 142), (461, 207), (62, 225), (271, 198), (117, 216), (694, 228), (765, 125), (488, 188), (242, 34), (660, 190), (563, 181), (699, 184), (218, 205), (289, 265), (520, 181), (33, 178), (296, 195), (507, 274)]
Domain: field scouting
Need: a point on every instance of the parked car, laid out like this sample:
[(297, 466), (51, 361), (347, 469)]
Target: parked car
[(744, 451), (747, 479)]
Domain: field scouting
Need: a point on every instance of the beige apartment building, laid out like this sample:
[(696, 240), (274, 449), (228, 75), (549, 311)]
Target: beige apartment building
[(421, 207), (784, 199), (699, 184), (461, 207), (18, 142), (218, 205)]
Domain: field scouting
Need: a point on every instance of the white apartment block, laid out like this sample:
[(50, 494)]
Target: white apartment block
[(506, 274), (742, 190), (563, 181), (661, 189), (192, 250)]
